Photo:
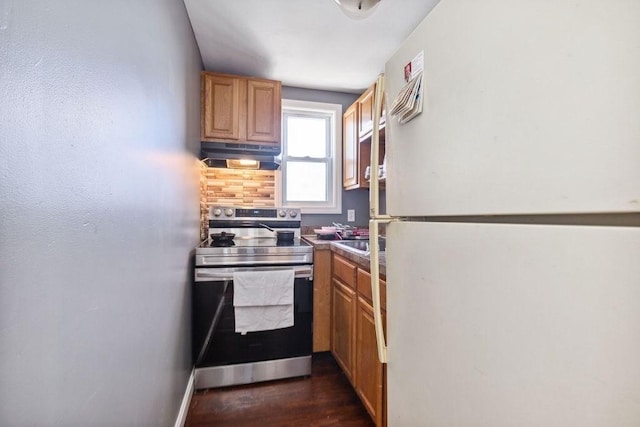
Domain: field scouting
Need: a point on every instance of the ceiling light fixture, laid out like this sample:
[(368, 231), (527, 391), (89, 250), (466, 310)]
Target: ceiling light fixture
[(357, 9)]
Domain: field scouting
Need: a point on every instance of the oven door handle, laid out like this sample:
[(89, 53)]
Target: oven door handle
[(211, 274)]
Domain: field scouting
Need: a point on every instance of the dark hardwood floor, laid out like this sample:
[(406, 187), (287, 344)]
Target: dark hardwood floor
[(324, 399)]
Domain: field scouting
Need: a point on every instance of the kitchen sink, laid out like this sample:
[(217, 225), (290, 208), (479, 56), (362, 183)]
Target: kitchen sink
[(361, 246)]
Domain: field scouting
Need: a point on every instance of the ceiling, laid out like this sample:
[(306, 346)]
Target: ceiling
[(303, 43)]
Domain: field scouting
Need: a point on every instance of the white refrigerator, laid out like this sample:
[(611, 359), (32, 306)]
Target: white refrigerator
[(513, 211)]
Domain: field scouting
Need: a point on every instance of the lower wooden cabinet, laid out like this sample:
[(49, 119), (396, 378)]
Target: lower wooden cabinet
[(368, 369), (353, 334), (343, 323)]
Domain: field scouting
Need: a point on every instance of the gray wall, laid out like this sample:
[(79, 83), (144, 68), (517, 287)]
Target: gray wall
[(352, 199), (98, 210)]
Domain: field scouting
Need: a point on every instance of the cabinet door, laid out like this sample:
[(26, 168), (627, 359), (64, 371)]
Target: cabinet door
[(350, 147), (264, 111), (368, 378), (343, 311), (363, 282), (220, 107), (344, 270), (365, 112)]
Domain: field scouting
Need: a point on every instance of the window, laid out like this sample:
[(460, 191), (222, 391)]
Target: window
[(311, 157)]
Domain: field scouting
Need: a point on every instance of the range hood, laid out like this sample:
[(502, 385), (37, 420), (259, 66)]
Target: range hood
[(234, 155)]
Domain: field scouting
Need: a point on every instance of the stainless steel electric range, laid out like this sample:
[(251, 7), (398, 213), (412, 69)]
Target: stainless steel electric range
[(250, 239)]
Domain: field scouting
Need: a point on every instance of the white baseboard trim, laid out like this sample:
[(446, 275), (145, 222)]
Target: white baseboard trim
[(186, 400)]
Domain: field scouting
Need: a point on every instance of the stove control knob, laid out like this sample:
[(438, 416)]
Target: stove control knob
[(217, 212), (293, 213), (282, 213), (228, 212)]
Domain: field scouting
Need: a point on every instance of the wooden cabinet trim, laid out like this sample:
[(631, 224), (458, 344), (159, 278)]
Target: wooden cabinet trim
[(322, 300)]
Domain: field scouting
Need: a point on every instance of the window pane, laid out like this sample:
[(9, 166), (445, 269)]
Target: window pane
[(306, 136), (306, 182)]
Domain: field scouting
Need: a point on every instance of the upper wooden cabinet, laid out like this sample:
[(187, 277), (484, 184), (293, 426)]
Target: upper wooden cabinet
[(365, 110), (350, 164), (356, 140), (264, 110), (365, 113), (356, 158), (240, 109), (220, 108)]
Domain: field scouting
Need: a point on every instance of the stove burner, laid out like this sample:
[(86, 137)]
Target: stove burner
[(222, 243), (222, 239)]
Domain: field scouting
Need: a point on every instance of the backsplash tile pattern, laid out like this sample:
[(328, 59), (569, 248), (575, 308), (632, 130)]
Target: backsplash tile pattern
[(204, 208), (238, 187)]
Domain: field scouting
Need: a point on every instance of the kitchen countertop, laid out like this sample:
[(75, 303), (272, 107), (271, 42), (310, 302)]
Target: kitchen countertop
[(352, 255)]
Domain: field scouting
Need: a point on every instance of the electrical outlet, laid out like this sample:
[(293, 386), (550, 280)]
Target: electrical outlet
[(351, 215)]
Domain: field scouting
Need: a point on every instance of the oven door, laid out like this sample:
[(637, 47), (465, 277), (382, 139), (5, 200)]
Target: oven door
[(215, 342)]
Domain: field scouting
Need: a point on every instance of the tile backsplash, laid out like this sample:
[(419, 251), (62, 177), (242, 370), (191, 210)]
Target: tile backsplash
[(239, 187), (204, 208)]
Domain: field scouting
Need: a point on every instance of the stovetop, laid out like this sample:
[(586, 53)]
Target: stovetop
[(257, 251), (265, 242), (254, 241)]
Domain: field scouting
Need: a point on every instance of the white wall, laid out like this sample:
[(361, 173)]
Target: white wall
[(98, 210)]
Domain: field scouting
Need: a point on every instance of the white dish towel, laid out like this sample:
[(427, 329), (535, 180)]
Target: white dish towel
[(263, 300)]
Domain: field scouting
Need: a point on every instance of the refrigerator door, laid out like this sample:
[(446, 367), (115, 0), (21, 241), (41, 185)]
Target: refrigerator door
[(529, 107), (513, 325)]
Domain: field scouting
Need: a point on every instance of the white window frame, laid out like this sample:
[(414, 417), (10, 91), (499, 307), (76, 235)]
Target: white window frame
[(334, 188)]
